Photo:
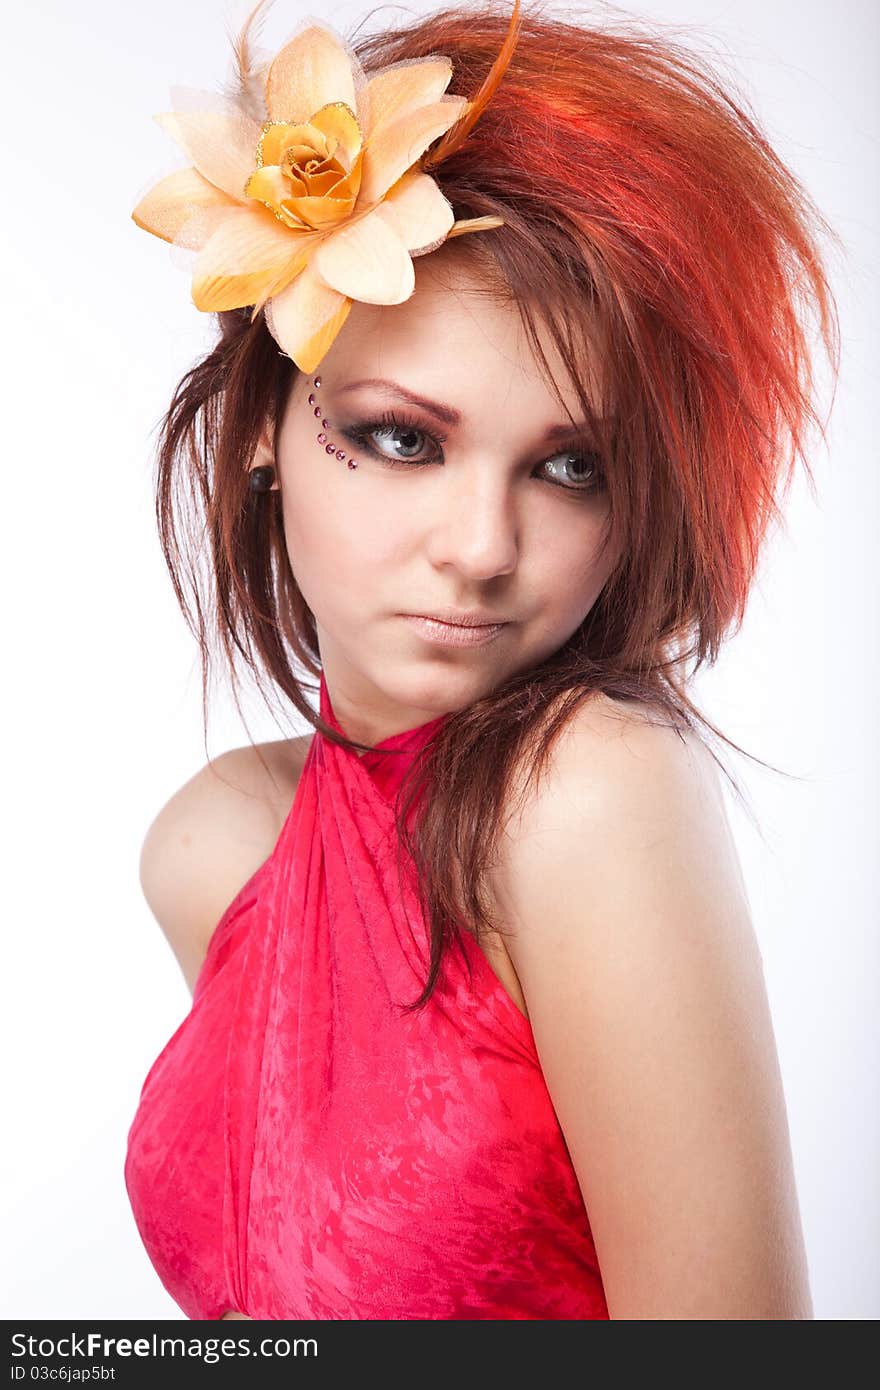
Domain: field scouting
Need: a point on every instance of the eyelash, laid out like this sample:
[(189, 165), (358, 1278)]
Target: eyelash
[(389, 420)]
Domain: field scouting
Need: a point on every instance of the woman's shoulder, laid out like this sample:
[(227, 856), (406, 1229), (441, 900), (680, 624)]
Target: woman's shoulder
[(607, 748), (211, 836), (619, 775)]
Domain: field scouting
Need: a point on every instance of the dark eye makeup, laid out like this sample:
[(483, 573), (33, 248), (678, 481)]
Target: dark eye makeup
[(391, 422)]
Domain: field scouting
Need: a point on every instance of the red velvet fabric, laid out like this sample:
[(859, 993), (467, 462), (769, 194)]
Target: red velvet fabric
[(304, 1149)]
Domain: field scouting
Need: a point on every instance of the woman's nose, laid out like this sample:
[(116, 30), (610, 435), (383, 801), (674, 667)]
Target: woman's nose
[(477, 530)]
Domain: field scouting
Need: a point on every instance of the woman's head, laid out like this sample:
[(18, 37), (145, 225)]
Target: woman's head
[(503, 510), (658, 274)]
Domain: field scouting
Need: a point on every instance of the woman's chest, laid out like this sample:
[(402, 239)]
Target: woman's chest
[(293, 1164)]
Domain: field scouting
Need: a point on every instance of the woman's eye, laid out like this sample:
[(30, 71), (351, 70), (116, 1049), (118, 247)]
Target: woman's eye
[(405, 450), (576, 468), (575, 471), (406, 446)]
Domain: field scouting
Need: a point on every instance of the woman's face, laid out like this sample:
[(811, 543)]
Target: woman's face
[(481, 510)]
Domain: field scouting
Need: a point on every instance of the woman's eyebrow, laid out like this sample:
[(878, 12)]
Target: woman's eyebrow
[(445, 413)]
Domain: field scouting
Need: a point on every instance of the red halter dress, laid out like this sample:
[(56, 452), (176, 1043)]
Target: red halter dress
[(302, 1148)]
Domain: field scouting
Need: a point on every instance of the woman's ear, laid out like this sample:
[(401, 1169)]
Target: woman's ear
[(264, 455)]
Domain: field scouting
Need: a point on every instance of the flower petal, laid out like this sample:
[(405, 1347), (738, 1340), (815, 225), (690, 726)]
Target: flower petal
[(305, 318), (324, 201), (222, 144), (366, 260), (312, 69), (400, 86), (268, 185), (278, 136), (321, 212), (249, 256), (392, 150), (338, 121), (179, 204), (417, 211)]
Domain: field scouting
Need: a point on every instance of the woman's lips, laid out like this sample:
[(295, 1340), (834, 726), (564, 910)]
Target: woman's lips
[(453, 634)]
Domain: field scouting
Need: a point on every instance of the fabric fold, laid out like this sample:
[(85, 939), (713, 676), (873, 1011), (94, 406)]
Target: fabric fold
[(303, 1147)]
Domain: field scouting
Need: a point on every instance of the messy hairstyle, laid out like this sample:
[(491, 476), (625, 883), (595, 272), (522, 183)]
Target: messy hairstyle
[(643, 209)]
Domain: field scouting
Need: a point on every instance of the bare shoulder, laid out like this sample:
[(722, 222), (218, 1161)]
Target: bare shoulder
[(630, 933), (212, 835), (609, 747), (620, 775)]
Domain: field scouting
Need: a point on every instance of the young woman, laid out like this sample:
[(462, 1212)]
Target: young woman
[(504, 393)]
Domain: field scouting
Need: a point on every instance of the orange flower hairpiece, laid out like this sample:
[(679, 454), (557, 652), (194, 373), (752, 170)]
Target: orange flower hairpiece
[(308, 188)]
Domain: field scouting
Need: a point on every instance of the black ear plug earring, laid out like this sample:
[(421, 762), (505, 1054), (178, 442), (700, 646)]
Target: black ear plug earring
[(330, 447), (261, 479)]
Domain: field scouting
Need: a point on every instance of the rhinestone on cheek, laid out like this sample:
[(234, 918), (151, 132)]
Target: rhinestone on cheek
[(321, 438)]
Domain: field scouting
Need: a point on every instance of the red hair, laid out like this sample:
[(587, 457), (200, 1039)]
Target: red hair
[(644, 212)]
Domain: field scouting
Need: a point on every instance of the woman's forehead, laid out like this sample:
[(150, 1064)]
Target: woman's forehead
[(458, 331)]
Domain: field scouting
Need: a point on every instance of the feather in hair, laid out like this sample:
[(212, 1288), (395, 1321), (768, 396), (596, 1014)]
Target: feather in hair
[(457, 134), (247, 86)]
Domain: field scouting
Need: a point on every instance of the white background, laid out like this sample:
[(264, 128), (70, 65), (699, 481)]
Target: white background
[(102, 710)]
